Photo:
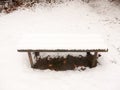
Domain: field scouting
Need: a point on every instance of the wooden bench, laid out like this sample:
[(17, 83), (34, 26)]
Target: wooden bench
[(62, 43)]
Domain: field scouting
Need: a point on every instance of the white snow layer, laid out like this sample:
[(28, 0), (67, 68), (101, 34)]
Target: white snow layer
[(62, 41), (72, 17)]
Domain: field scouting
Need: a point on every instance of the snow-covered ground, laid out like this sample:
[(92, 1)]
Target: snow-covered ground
[(70, 17)]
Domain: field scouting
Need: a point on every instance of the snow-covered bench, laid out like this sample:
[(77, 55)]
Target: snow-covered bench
[(62, 43)]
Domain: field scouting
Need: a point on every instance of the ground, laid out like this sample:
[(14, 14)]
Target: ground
[(70, 17)]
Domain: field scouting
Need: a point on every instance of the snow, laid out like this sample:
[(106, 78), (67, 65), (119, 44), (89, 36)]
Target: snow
[(62, 41), (70, 17)]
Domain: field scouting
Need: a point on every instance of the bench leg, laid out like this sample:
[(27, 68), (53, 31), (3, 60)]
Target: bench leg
[(37, 54), (30, 58), (94, 62)]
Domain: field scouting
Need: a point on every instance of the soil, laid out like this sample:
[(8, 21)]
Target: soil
[(61, 63)]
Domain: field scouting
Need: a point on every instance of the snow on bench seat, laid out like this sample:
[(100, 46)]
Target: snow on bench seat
[(62, 42)]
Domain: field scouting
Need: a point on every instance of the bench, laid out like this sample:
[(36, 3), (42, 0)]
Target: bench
[(62, 43)]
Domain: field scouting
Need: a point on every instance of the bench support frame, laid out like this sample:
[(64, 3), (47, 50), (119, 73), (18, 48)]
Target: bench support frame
[(94, 61), (30, 59)]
